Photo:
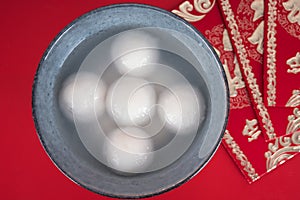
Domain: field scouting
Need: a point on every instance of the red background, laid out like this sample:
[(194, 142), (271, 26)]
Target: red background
[(27, 27)]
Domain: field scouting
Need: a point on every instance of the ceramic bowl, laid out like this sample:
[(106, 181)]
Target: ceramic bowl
[(58, 136)]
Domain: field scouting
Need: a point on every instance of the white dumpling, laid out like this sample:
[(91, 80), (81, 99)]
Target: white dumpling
[(133, 51), (128, 150), (82, 97), (130, 101), (182, 108)]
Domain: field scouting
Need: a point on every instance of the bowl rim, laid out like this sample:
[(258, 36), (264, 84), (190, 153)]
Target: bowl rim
[(44, 57)]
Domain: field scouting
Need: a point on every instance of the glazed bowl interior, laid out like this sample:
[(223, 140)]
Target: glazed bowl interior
[(64, 57)]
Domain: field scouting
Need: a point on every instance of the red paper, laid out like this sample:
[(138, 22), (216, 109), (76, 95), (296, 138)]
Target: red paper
[(282, 55), (244, 19), (243, 139)]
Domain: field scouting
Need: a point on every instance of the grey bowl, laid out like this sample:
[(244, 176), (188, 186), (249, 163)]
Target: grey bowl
[(59, 137)]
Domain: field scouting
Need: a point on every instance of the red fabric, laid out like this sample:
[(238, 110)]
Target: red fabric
[(282, 55), (26, 171)]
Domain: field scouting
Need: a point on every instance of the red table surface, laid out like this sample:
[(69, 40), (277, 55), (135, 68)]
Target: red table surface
[(27, 27)]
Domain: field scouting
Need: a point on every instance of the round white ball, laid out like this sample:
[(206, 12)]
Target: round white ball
[(82, 97), (128, 150), (182, 109), (130, 101), (133, 51)]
